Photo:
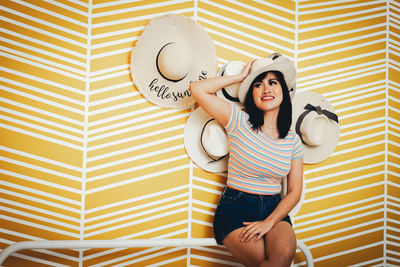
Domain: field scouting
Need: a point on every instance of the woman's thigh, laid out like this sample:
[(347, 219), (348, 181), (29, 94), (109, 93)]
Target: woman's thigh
[(249, 253), (280, 242)]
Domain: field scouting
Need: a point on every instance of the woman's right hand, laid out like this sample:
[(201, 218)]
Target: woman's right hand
[(246, 70)]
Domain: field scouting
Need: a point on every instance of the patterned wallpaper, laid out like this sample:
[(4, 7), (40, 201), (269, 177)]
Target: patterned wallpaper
[(84, 156)]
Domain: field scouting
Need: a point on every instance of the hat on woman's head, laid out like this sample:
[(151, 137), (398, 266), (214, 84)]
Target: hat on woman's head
[(274, 62), (230, 93), (317, 124), (172, 52), (206, 142)]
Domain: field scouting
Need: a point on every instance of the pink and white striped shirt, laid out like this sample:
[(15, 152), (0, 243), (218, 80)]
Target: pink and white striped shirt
[(257, 163)]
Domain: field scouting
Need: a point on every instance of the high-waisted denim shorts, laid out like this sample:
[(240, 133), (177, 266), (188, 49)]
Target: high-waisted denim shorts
[(235, 207)]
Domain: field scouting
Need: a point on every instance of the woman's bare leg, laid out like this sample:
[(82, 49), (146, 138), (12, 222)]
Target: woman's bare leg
[(249, 253), (280, 245)]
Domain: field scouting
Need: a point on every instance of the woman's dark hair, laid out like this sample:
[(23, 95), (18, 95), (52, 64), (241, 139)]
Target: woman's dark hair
[(256, 116)]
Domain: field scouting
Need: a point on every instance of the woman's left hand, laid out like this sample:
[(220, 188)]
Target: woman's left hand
[(255, 230)]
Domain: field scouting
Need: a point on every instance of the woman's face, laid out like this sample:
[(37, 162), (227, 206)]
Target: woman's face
[(267, 94)]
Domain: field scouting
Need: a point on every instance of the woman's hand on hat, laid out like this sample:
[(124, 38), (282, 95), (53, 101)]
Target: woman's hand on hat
[(246, 70), (255, 230)]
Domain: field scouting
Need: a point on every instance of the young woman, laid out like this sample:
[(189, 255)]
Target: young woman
[(251, 219)]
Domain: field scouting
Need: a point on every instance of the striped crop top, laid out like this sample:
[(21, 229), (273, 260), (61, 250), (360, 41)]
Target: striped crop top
[(257, 163)]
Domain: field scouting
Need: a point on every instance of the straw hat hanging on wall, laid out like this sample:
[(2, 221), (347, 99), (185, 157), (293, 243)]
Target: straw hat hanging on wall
[(172, 52), (317, 124)]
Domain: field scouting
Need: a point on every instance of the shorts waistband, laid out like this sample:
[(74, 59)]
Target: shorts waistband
[(239, 193)]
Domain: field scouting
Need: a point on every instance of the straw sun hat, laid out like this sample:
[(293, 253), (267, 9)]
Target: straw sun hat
[(206, 142), (172, 52), (274, 62), (317, 124), (230, 92)]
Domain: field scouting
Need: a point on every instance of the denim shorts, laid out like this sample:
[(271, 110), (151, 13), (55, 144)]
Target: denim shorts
[(235, 207)]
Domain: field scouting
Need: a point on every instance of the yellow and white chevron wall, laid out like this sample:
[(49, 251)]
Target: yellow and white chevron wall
[(84, 156)]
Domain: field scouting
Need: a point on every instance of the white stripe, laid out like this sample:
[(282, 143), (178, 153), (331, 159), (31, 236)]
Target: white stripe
[(141, 156), (136, 137), (46, 33), (244, 25), (206, 189), (203, 211), (115, 42), (41, 128), (42, 137), (39, 226), (38, 260), (42, 59), (345, 69), (338, 7), (123, 68), (264, 12), (110, 53), (339, 42), (346, 181), (342, 15), (136, 8), (340, 61), (139, 18), (45, 92), (135, 222), (44, 211), (359, 147), (249, 15), (39, 158), (358, 113), (343, 192), (41, 219), (209, 259), (133, 128), (202, 223), (341, 33), (93, 104), (44, 121), (237, 50), (358, 131), (70, 8), (168, 261), (40, 193), (51, 13), (378, 261), (325, 217), (252, 44), (137, 207), (134, 169), (63, 50), (115, 107), (37, 180), (338, 50), (158, 254), (343, 230), (130, 30), (139, 198), (40, 111), (207, 181), (205, 204), (124, 72), (42, 66), (349, 251), (47, 82), (131, 217), (343, 163), (46, 23), (327, 25), (136, 179), (113, 87)]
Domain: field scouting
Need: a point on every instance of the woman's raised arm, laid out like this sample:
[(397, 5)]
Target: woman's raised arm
[(204, 93)]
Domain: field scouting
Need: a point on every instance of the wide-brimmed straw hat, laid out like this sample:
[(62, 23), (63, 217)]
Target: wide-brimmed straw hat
[(206, 142), (274, 62), (231, 92), (172, 52), (316, 122)]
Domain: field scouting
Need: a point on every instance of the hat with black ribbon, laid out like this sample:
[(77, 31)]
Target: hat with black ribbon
[(316, 123), (230, 92), (206, 142)]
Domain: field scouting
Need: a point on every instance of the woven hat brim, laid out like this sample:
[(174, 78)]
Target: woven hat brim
[(158, 32), (192, 132)]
